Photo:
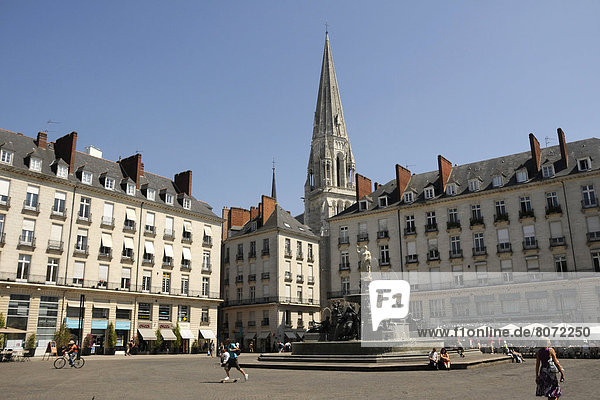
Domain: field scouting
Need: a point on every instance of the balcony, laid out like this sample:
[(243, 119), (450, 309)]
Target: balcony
[(207, 241), (412, 259), (287, 276), (58, 213), (476, 221), (501, 218), (310, 280), (299, 256), (590, 203), (186, 237), (452, 225), (105, 253), (264, 322), (81, 250), (148, 259), (239, 278), (186, 265), (2, 239), (593, 236), (557, 241), (554, 209), (26, 242), (264, 252), (362, 237), (129, 226), (238, 324), (55, 245), (479, 251), (530, 243), (287, 253), (524, 214), (345, 266), (84, 218), (343, 240), (299, 278), (107, 222), (505, 247), (251, 323), (127, 257), (206, 268), (31, 208), (4, 202), (310, 258), (252, 254), (456, 253), (251, 277), (383, 234), (384, 263), (169, 234), (433, 255), (150, 230), (264, 276), (431, 227), (167, 262), (239, 257), (410, 230)]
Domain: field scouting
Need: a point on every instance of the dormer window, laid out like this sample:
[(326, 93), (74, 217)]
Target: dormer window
[(497, 181), (474, 185), (584, 164), (409, 197), (35, 164), (383, 201), (62, 171), (6, 156), (253, 226), (86, 177), (548, 171), (362, 205), (522, 176), (151, 194), (429, 193), (109, 183), (187, 203), (130, 189), (169, 199), (451, 189)]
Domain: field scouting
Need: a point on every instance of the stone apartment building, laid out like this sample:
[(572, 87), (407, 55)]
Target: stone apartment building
[(270, 276), (523, 214), (140, 247)]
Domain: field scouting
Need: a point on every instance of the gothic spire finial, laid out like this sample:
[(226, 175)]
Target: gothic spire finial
[(273, 188)]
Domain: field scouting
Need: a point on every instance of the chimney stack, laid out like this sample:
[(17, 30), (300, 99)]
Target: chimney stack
[(133, 168), (42, 140), (445, 169), (253, 212), (238, 217), (402, 179), (183, 181), (563, 147), (64, 148), (363, 186), (225, 226), (268, 207), (535, 152)]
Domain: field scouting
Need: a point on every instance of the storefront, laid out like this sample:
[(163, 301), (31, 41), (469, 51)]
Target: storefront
[(98, 336), (249, 338), (264, 342), (145, 336), (187, 337), (122, 328), (166, 331), (205, 337)]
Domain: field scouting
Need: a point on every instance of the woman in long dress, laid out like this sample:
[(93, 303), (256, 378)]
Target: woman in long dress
[(545, 378)]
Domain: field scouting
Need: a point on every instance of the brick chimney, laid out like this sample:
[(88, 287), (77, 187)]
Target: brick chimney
[(363, 186), (133, 168), (563, 147), (253, 212), (183, 181), (402, 179), (535, 152), (42, 140), (64, 148), (268, 206), (445, 169), (238, 217), (225, 224)]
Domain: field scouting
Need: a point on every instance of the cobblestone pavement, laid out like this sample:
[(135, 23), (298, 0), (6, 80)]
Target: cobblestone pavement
[(197, 377)]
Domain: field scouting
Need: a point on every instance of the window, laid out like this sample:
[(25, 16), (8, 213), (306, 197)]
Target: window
[(2, 218), (410, 223), (59, 203), (529, 241), (478, 244), (455, 250), (533, 269), (18, 311), (146, 280), (84, 208), (99, 312), (596, 261), (476, 212), (23, 267), (506, 270), (125, 278), (481, 274), (409, 197), (6, 156), (78, 270), (51, 270), (497, 181), (344, 260), (205, 286), (240, 294), (344, 234), (431, 220), (453, 216), (123, 313), (429, 193), (206, 261), (204, 315), (169, 199), (131, 189), (500, 208), (86, 177), (102, 275), (185, 285), (384, 255), (537, 304), (310, 252), (109, 183), (151, 194), (345, 285), (474, 185), (145, 311), (252, 293), (548, 171), (416, 309), (522, 176), (560, 262), (451, 189), (130, 218), (457, 275), (150, 228), (183, 314), (81, 241), (164, 312), (169, 232), (437, 308), (485, 307), (589, 196), (362, 205), (584, 164), (35, 164), (4, 190), (47, 319), (525, 203), (288, 247), (27, 232), (166, 282), (31, 198), (383, 201), (552, 200), (187, 203), (503, 242), (62, 171)]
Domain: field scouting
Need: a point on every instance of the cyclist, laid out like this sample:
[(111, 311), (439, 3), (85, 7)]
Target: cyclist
[(71, 351)]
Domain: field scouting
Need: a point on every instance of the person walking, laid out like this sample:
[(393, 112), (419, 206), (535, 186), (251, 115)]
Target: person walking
[(233, 361), (212, 349), (546, 368)]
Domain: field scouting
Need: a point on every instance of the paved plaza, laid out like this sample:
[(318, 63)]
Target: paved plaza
[(197, 377)]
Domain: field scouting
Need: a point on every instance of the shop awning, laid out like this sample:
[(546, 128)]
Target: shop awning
[(149, 247), (147, 334), (122, 325), (125, 306), (107, 240), (186, 334), (73, 303), (291, 334), (187, 226), (128, 243), (249, 336), (187, 254), (168, 334), (300, 334), (207, 334), (169, 250), (99, 324), (207, 230), (264, 335)]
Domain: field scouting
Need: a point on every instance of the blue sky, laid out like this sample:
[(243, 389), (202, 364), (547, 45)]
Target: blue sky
[(222, 87)]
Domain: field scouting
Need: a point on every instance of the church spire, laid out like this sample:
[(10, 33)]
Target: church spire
[(273, 188), (329, 116)]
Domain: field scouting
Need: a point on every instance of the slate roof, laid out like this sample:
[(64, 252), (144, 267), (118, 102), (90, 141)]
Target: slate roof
[(279, 219), (23, 146), (485, 170)]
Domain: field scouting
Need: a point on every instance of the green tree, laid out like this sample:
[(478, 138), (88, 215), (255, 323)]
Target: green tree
[(62, 336), (157, 345), (2, 336), (111, 337), (178, 340), (31, 342)]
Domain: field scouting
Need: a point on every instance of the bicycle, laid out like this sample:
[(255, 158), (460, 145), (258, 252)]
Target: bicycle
[(61, 361)]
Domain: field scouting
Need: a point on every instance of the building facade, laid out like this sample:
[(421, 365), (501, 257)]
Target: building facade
[(270, 276), (329, 186), (142, 250), (529, 213)]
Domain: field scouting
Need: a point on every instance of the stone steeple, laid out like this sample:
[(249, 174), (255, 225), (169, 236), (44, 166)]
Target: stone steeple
[(273, 188), (330, 186)]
